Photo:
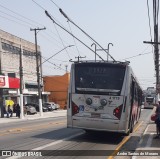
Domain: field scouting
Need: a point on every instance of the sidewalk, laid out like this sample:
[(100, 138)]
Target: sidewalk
[(52, 114), (148, 146)]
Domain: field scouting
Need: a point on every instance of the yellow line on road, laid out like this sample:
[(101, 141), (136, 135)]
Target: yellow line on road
[(30, 128), (118, 147), (136, 128), (123, 142)]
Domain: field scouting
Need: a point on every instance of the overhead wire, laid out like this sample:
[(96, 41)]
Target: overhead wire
[(20, 15), (85, 33), (13, 21), (55, 28), (15, 17), (63, 28), (70, 30), (74, 40), (137, 55), (49, 62), (70, 33), (61, 40), (30, 24)]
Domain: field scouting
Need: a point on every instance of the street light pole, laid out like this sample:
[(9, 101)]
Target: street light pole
[(38, 70), (57, 53), (21, 83)]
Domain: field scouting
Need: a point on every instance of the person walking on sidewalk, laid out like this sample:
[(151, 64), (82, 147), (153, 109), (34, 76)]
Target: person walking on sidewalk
[(9, 112), (18, 110), (157, 121)]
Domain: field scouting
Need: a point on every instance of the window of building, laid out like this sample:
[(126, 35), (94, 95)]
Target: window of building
[(11, 48)]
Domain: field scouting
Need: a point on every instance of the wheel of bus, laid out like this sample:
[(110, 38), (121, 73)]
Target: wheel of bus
[(89, 131)]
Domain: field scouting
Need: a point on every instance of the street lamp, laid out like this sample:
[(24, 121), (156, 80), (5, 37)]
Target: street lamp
[(57, 53)]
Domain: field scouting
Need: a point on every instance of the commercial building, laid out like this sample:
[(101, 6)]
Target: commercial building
[(58, 88), (11, 47)]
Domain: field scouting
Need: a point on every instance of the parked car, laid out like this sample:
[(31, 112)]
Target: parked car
[(30, 109), (36, 106), (50, 105), (57, 106)]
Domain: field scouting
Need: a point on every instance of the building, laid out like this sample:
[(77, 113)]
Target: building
[(58, 88), (11, 47)]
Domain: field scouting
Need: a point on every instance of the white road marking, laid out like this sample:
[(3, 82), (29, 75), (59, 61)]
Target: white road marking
[(48, 145), (149, 141)]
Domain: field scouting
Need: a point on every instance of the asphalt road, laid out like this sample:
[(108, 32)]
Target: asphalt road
[(51, 134)]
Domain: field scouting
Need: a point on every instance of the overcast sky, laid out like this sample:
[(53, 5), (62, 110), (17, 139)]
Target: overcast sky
[(121, 22)]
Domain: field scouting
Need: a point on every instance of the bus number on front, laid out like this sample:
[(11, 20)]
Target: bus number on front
[(115, 98)]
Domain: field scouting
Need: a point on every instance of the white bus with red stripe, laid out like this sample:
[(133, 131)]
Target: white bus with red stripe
[(103, 96)]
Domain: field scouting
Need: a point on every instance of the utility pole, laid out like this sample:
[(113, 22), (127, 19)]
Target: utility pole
[(21, 83), (1, 89), (156, 43), (38, 70)]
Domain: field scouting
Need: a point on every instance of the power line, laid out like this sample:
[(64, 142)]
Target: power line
[(20, 15), (55, 4), (84, 32), (74, 39), (16, 18), (30, 24), (70, 33), (61, 40), (57, 53), (38, 5), (14, 21), (137, 55)]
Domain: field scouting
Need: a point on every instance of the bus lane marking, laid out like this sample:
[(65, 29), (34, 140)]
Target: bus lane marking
[(125, 139), (50, 144), (29, 128)]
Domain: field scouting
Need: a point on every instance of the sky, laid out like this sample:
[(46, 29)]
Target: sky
[(123, 23)]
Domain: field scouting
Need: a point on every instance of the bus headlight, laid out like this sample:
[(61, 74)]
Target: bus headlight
[(103, 102), (88, 101)]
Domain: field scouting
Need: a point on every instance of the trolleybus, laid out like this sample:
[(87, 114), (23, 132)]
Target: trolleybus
[(103, 96)]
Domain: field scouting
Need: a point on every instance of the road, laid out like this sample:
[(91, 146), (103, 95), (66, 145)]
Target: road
[(52, 134)]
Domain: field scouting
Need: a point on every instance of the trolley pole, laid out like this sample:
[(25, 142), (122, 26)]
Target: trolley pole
[(38, 64), (106, 50), (95, 49)]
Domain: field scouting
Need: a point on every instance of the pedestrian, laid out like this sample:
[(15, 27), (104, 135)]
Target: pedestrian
[(18, 110), (14, 108), (157, 121), (9, 111)]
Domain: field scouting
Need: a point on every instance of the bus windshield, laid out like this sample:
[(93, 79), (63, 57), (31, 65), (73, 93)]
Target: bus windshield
[(149, 99), (101, 78)]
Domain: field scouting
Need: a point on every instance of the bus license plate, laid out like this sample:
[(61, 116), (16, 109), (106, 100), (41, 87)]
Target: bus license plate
[(95, 115)]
